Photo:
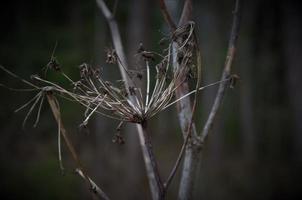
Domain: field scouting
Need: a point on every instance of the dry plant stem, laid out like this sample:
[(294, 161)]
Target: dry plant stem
[(177, 163), (167, 15), (193, 156), (95, 188), (191, 144), (152, 176), (56, 112), (189, 131), (148, 144), (149, 169), (185, 114), (116, 39), (227, 69), (186, 14)]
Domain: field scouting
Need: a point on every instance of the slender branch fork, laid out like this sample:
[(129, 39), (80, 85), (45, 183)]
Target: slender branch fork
[(158, 188), (187, 180)]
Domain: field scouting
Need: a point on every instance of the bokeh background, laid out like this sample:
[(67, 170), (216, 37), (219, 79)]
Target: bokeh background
[(254, 151)]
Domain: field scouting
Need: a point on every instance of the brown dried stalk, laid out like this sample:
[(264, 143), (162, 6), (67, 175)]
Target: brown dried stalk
[(227, 69), (184, 107), (57, 114)]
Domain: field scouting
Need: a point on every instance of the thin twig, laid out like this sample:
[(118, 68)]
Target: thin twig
[(167, 15), (186, 14), (114, 8), (95, 188), (116, 39), (57, 114), (177, 163), (227, 69), (152, 176)]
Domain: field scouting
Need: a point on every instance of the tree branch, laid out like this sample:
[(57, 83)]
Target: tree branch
[(227, 69)]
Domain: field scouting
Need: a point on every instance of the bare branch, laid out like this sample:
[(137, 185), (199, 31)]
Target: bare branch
[(227, 69), (177, 163), (167, 15), (95, 188), (56, 113), (116, 39), (148, 144), (149, 169), (151, 173), (186, 14)]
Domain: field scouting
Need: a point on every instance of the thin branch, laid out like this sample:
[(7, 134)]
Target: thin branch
[(57, 114), (186, 14), (95, 188), (149, 170), (167, 15), (116, 38), (114, 8), (148, 144), (188, 135), (177, 163), (227, 69)]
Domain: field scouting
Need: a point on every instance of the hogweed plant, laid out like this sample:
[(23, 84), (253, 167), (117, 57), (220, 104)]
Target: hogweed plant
[(116, 100), (125, 100)]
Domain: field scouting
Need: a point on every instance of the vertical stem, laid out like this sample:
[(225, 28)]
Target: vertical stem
[(226, 71), (153, 163), (148, 84), (116, 38), (147, 161), (191, 159)]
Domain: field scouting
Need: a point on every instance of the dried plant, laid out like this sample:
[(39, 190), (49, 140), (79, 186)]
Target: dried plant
[(114, 99), (166, 72)]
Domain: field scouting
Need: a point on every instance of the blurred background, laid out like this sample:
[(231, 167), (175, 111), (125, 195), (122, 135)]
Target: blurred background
[(254, 151)]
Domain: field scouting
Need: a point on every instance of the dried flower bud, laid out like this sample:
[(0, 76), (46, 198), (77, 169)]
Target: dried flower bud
[(141, 48), (53, 64), (111, 56)]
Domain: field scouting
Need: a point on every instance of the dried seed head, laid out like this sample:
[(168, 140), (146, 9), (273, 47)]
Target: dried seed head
[(118, 139), (139, 75), (233, 80), (141, 48), (53, 64), (111, 56), (132, 90)]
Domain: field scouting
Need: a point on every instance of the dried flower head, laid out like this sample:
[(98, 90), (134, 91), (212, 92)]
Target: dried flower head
[(129, 102)]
